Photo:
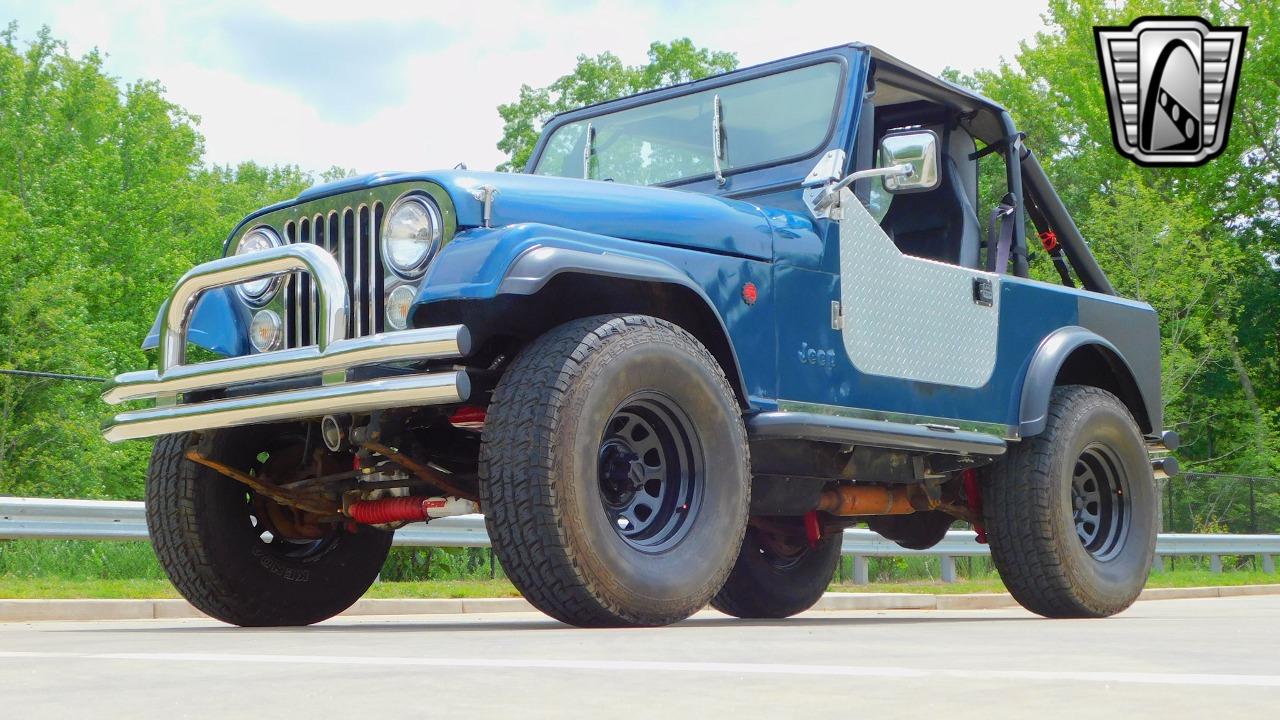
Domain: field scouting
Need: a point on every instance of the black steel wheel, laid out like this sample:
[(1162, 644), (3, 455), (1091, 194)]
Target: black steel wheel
[(1100, 502), (650, 472), (615, 474), (243, 558), (1071, 512)]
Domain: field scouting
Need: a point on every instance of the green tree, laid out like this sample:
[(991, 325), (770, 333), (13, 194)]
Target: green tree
[(104, 201), (596, 79), (1197, 243)]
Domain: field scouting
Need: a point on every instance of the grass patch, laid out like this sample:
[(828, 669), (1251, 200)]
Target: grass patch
[(926, 587), (57, 569), (1204, 578), (79, 560), (1172, 579), (62, 589), (145, 589), (105, 560), (443, 589)]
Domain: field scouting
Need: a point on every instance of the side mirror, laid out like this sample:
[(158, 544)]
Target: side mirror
[(917, 148)]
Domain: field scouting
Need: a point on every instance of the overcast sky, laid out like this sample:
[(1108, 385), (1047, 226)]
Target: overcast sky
[(386, 85)]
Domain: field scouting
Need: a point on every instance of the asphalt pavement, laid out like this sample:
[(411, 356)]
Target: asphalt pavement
[(1213, 658)]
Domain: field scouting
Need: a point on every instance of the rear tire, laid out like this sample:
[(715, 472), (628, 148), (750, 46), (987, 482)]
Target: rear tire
[(768, 582), (1071, 512), (615, 472), (213, 547)]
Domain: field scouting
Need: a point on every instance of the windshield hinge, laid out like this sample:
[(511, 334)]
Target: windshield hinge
[(485, 194)]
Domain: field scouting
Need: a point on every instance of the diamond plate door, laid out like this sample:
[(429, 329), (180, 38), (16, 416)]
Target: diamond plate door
[(911, 318)]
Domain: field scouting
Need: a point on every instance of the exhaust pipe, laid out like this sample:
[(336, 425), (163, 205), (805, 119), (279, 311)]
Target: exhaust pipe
[(855, 500), (1165, 467)]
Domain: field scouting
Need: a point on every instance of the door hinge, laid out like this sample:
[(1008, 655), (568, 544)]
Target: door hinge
[(837, 315)]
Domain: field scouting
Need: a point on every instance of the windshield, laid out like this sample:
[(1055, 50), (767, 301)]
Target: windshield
[(763, 120)]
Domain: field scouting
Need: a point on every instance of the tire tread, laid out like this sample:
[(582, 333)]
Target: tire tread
[(524, 520), (182, 527), (1019, 514)]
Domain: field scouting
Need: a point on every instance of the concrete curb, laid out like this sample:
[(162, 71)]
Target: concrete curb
[(170, 609), (88, 610)]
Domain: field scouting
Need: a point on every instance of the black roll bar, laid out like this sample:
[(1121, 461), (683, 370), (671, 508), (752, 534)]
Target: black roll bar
[(1082, 260), (1013, 178)]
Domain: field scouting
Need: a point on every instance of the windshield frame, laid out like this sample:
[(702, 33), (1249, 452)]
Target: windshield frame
[(711, 83)]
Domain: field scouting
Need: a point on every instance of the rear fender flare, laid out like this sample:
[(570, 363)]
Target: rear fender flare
[(1047, 363)]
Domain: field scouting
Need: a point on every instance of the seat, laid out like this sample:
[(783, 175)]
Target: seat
[(940, 224)]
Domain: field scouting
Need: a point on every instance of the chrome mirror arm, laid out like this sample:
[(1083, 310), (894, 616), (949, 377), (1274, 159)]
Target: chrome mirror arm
[(831, 190)]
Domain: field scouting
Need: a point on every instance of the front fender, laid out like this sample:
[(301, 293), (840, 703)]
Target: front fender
[(220, 324), (519, 259)]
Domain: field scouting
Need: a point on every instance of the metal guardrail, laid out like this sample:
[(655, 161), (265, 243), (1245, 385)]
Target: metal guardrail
[(49, 519), (863, 544), (43, 518)]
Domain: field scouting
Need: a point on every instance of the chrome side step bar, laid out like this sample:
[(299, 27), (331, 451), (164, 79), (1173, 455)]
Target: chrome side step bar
[(403, 391), (872, 433)]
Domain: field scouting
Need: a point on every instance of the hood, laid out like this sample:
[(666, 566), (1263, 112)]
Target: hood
[(646, 214)]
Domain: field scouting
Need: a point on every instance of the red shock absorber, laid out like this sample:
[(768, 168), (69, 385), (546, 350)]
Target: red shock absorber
[(388, 510), (468, 417), (812, 530), (973, 498)]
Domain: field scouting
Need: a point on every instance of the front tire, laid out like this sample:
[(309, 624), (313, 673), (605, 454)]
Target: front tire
[(1071, 512), (615, 472), (778, 577), (213, 538)]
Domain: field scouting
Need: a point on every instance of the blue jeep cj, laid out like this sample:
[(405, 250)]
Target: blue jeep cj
[(708, 329)]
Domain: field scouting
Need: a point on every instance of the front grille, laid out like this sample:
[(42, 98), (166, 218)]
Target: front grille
[(352, 235)]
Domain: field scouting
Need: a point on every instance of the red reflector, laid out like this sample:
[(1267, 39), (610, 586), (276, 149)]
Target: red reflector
[(468, 417), (749, 293)]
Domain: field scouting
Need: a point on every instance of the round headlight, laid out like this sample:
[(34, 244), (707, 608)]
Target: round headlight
[(411, 236), (256, 291)]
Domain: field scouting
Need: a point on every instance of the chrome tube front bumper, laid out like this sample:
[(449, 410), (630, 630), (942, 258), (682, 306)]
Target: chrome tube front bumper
[(329, 359)]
